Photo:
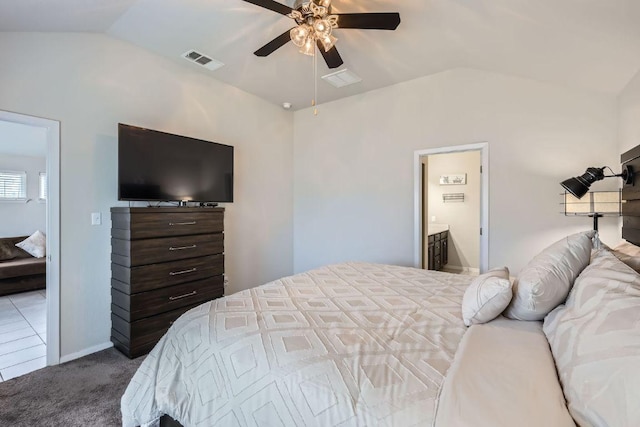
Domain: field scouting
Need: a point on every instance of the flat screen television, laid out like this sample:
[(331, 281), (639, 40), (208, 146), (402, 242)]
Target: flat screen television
[(159, 166)]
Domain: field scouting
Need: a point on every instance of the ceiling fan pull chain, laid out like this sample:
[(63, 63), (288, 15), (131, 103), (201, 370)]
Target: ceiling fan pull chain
[(314, 103)]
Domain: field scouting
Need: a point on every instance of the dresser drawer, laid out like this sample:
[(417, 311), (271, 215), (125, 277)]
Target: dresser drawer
[(149, 224), (148, 251), (145, 304), (137, 338), (131, 280)]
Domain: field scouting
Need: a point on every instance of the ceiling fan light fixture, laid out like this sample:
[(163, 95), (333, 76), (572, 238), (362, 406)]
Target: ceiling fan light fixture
[(300, 34), (322, 27), (328, 42), (314, 24), (309, 46), (316, 9)]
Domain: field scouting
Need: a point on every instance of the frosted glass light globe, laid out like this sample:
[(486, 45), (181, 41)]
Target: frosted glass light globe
[(299, 35), (322, 27)]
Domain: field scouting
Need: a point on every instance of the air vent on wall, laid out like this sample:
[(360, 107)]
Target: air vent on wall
[(342, 78), (203, 60)]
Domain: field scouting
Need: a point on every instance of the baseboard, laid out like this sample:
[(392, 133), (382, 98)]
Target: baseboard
[(85, 352)]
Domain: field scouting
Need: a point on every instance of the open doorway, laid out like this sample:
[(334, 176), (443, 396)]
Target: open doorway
[(29, 242), (451, 198)]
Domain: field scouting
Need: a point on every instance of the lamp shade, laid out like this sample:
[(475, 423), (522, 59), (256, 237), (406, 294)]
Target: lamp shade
[(602, 203), (579, 185), (575, 187)]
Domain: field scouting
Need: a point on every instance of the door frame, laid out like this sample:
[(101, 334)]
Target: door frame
[(418, 193), (52, 128)]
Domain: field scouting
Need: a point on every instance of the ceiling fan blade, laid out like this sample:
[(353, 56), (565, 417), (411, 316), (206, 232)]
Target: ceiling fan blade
[(369, 21), (332, 58), (274, 44), (272, 5)]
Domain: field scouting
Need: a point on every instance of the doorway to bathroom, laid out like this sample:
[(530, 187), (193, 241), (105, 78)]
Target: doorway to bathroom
[(451, 208)]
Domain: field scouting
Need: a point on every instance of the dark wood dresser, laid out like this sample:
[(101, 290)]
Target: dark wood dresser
[(164, 261)]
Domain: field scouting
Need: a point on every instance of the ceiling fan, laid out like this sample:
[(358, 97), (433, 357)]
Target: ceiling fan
[(315, 23)]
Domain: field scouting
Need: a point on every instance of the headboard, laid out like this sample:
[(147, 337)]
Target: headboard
[(631, 199)]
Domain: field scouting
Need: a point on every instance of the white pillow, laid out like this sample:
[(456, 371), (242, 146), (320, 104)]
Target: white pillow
[(595, 340), (35, 245), (486, 297), (546, 281)]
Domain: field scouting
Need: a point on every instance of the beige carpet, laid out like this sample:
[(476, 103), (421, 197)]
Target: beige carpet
[(83, 392)]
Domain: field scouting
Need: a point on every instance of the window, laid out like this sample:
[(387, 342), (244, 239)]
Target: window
[(42, 193), (13, 185)]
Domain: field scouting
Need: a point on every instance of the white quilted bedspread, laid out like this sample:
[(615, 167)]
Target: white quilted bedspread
[(352, 344)]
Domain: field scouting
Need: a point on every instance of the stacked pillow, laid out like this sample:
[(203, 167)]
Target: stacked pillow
[(594, 333), (539, 288), (546, 281), (486, 297), (595, 340)]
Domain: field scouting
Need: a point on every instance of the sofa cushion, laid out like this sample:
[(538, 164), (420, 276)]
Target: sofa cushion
[(22, 267), (6, 251), (36, 244), (13, 250)]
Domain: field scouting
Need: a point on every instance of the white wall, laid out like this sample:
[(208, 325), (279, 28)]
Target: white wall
[(90, 82), (463, 218), (353, 169), (20, 218), (353, 163), (629, 111)]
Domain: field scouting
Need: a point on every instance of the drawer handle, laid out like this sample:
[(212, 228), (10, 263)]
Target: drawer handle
[(183, 296), (183, 223), (179, 248), (176, 273)]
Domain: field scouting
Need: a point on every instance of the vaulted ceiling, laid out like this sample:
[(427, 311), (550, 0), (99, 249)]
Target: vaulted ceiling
[(590, 44)]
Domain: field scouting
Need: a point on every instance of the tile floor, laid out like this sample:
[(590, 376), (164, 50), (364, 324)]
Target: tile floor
[(23, 327)]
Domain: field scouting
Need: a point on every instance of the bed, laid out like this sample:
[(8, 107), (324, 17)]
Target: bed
[(360, 344), (367, 344), (298, 342)]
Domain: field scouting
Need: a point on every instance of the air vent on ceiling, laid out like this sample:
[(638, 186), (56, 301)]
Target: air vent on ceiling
[(342, 78), (203, 60)]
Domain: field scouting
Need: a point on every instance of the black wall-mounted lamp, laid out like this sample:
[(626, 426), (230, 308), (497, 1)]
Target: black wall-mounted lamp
[(579, 185)]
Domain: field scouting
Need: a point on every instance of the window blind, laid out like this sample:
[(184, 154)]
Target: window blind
[(13, 185), (42, 194)]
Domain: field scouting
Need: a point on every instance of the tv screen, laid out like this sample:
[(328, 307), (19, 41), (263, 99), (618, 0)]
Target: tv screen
[(159, 166)]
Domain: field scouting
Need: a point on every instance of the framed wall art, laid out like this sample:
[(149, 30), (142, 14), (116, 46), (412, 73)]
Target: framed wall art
[(453, 179)]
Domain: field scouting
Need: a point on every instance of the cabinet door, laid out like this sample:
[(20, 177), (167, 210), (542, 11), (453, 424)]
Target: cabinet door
[(431, 255), (444, 251)]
